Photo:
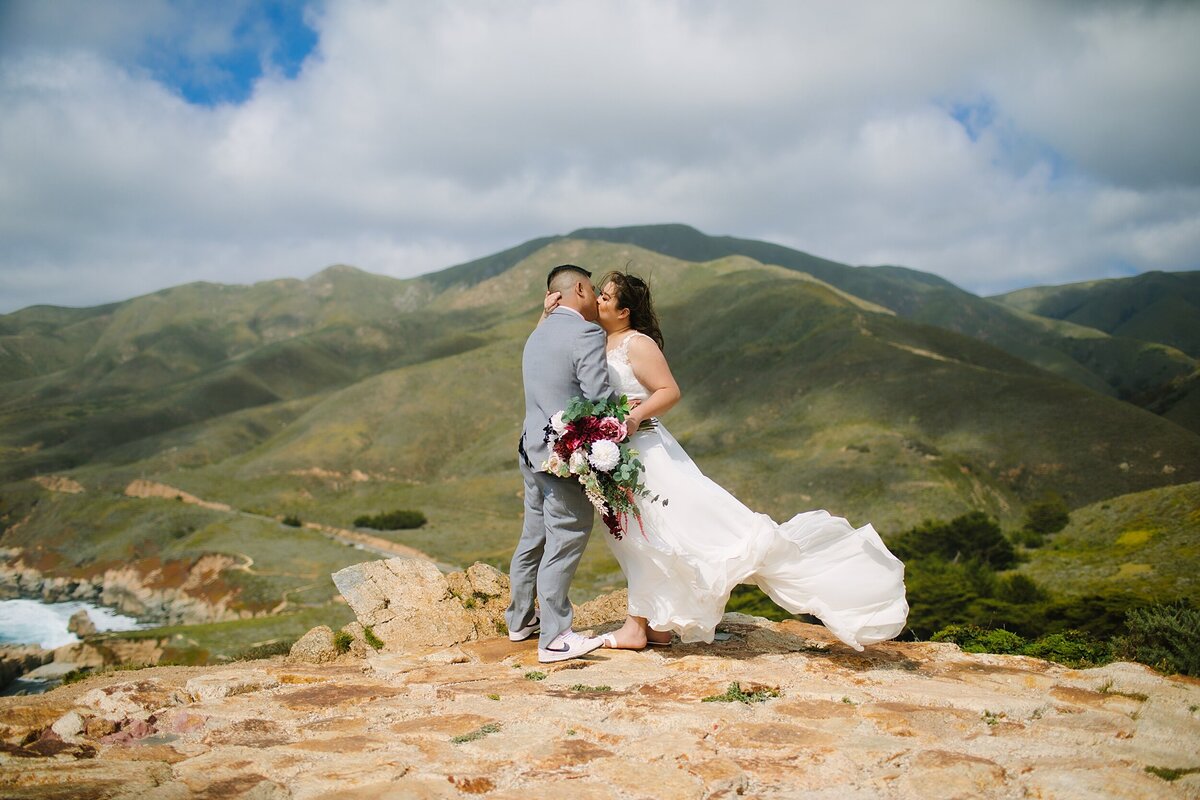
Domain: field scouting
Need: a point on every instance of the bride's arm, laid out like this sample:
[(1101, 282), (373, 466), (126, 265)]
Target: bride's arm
[(651, 369), (549, 304)]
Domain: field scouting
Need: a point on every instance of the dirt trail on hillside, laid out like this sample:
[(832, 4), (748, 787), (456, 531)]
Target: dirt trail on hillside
[(376, 544)]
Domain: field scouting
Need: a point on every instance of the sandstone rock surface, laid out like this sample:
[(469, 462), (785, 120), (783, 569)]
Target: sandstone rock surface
[(483, 718)]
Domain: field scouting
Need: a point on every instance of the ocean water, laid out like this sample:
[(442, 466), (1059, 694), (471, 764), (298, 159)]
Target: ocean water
[(45, 624)]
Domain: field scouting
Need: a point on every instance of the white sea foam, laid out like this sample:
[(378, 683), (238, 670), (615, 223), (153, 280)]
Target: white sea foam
[(45, 624)]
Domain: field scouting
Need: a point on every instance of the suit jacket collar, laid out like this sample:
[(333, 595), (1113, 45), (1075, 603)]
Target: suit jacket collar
[(566, 310)]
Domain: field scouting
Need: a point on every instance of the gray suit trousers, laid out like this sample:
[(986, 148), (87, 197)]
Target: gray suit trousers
[(558, 522)]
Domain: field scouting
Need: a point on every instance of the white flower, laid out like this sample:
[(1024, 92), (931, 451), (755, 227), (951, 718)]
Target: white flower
[(557, 423), (605, 455), (579, 462)]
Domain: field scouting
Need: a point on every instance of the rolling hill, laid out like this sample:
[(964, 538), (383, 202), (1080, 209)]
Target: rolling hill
[(1159, 307), (351, 393)]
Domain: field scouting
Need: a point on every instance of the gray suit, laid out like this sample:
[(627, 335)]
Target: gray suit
[(563, 358)]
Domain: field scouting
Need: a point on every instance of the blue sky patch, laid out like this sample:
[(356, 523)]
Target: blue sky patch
[(222, 63)]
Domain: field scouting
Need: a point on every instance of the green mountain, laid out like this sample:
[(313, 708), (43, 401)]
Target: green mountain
[(350, 393), (1154, 306), (1146, 373)]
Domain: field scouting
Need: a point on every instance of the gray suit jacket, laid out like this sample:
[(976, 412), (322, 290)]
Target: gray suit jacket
[(563, 358)]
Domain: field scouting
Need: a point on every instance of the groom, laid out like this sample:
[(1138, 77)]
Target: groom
[(563, 358)]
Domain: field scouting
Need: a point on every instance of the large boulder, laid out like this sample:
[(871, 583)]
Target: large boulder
[(315, 647), (410, 605)]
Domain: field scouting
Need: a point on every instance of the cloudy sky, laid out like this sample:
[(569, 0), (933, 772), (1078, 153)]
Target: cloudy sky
[(148, 143)]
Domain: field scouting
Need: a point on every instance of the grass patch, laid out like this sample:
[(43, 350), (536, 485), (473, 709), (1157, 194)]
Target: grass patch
[(76, 675), (371, 638), (534, 675), (342, 641), (1172, 773), (279, 647), (478, 733), (736, 694), (493, 697), (582, 687), (992, 718)]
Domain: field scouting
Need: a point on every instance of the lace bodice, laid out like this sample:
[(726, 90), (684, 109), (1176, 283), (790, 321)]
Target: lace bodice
[(620, 371)]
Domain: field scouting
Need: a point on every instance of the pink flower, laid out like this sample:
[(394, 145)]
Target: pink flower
[(612, 430)]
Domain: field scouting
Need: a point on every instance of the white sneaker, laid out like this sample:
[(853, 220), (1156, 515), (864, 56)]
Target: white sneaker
[(568, 645), (521, 634)]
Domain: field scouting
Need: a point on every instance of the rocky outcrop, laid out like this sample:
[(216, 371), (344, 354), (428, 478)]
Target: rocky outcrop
[(315, 647), (59, 483), (81, 624), (809, 718), (177, 593), (410, 605), (16, 660)]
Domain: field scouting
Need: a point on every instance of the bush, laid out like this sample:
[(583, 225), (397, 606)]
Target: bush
[(400, 519), (971, 537), (1166, 637), (279, 647), (1073, 648), (1047, 516), (974, 639), (1028, 538), (292, 520)]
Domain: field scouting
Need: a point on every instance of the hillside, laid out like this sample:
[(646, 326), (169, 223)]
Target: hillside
[(1143, 544), (1144, 373), (1154, 306), (350, 393)]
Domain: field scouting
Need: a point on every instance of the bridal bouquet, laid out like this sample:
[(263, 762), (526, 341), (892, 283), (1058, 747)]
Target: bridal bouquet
[(586, 441)]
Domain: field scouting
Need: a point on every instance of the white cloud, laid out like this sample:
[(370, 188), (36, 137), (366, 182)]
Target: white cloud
[(418, 135)]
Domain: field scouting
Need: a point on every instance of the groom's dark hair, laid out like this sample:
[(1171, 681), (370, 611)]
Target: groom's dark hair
[(561, 268)]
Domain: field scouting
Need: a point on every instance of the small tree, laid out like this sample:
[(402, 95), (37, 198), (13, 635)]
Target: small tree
[(1047, 516)]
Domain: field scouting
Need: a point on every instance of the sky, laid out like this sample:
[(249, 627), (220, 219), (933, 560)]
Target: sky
[(151, 143)]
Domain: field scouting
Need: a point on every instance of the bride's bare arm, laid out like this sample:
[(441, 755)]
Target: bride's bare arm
[(651, 369), (549, 304)]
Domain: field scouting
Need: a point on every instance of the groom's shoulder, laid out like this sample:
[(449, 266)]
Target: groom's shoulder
[(565, 321)]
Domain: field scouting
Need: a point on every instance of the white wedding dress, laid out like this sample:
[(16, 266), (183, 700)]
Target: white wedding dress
[(689, 553)]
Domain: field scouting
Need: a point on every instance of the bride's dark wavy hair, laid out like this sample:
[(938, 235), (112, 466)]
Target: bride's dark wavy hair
[(633, 293)]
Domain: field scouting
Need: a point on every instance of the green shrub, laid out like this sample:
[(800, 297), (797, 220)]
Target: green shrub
[(292, 520), (400, 519), (1028, 538), (971, 537), (266, 650), (974, 639), (1018, 589), (1047, 516), (342, 641), (1166, 637), (1073, 648)]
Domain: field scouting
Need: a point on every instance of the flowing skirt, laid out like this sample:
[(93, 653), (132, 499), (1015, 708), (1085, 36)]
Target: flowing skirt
[(690, 551)]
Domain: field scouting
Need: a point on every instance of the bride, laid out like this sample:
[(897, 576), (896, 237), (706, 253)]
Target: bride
[(687, 555)]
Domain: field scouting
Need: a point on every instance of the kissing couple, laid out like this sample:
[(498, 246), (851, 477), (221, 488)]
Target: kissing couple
[(686, 556)]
